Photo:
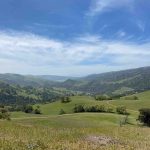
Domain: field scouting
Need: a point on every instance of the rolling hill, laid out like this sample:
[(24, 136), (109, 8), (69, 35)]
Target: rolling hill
[(111, 83), (119, 82), (75, 130), (24, 80), (33, 80), (132, 105), (17, 95), (55, 78)]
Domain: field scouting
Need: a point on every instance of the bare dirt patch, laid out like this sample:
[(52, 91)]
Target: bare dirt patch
[(102, 140)]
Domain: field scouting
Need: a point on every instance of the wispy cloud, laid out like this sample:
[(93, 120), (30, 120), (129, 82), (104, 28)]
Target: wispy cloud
[(141, 25), (29, 53), (100, 6)]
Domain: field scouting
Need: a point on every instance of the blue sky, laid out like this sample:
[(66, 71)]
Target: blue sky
[(73, 37)]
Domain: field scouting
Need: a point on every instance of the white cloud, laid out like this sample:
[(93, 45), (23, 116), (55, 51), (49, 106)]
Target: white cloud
[(141, 25), (99, 6), (31, 54), (121, 33)]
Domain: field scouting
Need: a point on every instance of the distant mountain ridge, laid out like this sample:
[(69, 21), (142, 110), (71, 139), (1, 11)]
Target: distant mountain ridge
[(55, 78), (22, 80), (118, 82), (32, 80), (134, 79), (115, 74)]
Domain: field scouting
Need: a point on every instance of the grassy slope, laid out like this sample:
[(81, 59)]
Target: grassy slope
[(68, 131), (82, 120), (135, 105), (144, 101), (54, 108)]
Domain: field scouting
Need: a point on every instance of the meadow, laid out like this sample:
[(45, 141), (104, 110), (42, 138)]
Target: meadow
[(77, 131)]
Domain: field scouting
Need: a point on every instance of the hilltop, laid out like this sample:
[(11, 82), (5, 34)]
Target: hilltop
[(33, 89), (118, 82)]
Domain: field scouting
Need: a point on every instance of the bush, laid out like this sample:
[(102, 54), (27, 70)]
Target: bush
[(121, 110), (78, 108), (109, 110), (61, 112), (65, 99), (102, 97), (101, 108), (37, 110), (144, 116), (4, 114), (28, 109), (124, 120), (97, 108), (90, 109), (131, 98)]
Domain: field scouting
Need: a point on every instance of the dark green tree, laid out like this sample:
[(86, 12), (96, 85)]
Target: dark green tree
[(144, 116), (28, 109)]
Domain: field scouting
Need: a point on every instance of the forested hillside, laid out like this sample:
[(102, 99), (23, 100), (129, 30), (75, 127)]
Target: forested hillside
[(126, 80), (113, 82), (17, 95), (25, 80)]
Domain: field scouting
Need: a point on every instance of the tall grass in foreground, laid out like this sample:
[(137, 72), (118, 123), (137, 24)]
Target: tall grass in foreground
[(26, 136)]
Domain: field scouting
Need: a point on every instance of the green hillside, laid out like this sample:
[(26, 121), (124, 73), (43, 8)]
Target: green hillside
[(112, 83), (54, 108), (72, 131), (142, 102), (135, 105), (119, 82), (17, 95), (24, 80)]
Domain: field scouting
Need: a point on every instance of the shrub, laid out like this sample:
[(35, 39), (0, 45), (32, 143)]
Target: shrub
[(37, 110), (116, 96), (102, 97), (121, 110), (109, 110), (28, 109), (90, 109), (2, 106), (101, 108), (4, 114), (97, 108), (144, 116), (124, 120), (65, 99), (61, 112), (131, 97), (78, 108)]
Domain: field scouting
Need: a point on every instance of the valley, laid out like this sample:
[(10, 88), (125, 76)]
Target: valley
[(85, 121)]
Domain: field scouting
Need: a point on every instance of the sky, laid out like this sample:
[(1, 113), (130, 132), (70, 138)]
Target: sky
[(73, 37)]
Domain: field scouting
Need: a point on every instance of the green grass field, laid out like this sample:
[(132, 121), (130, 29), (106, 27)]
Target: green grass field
[(51, 131), (54, 108), (142, 102)]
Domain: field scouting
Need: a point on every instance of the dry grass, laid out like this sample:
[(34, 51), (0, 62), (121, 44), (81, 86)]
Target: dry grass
[(71, 131), (27, 136)]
